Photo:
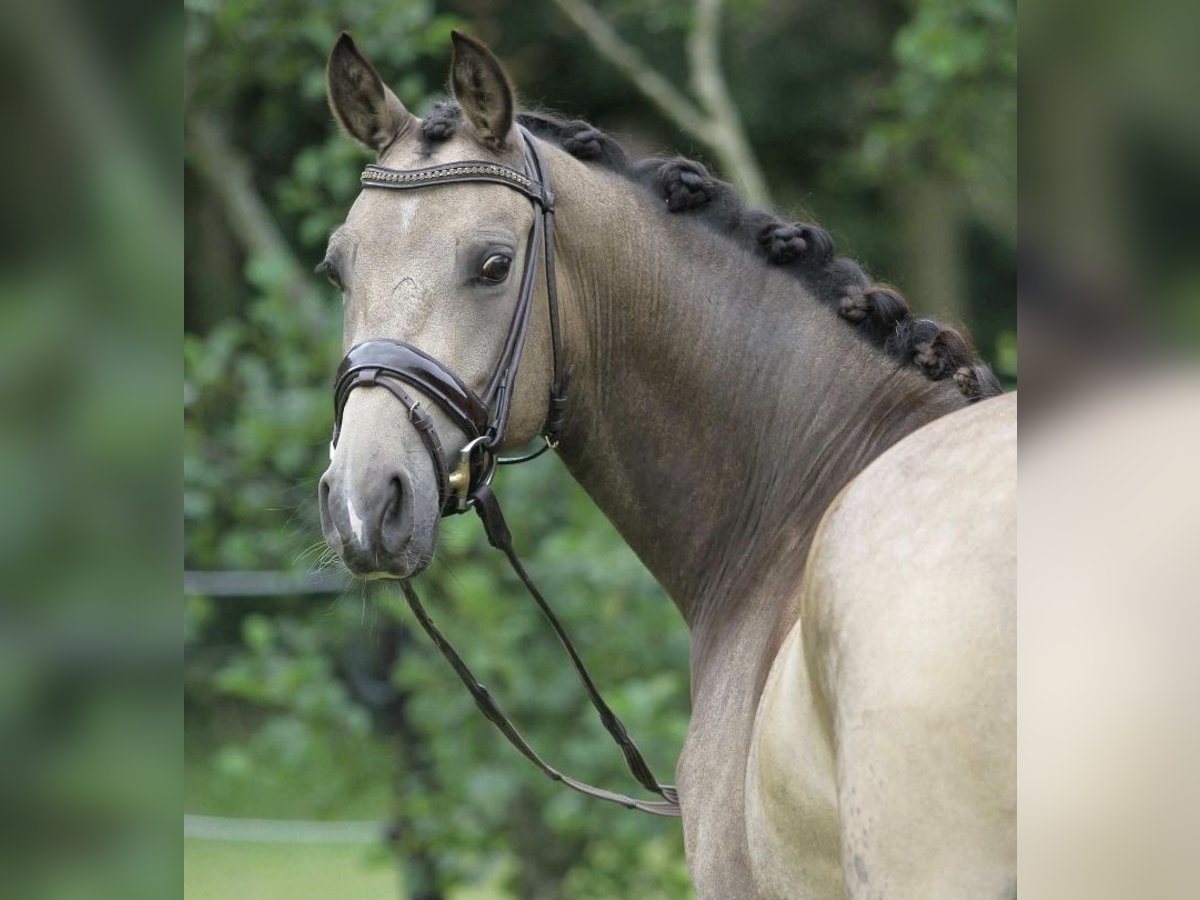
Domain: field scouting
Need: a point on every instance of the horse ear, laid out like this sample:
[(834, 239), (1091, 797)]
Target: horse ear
[(364, 106), (482, 90)]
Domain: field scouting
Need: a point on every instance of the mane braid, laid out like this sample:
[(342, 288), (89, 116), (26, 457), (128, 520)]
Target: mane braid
[(878, 312)]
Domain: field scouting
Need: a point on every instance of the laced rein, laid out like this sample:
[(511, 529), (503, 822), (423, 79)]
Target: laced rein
[(484, 419)]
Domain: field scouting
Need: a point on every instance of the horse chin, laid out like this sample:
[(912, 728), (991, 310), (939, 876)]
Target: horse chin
[(405, 562)]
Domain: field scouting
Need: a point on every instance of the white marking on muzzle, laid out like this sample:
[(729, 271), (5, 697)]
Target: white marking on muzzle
[(356, 524)]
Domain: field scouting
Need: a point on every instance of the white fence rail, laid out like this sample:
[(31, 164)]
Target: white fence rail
[(263, 584), (281, 831)]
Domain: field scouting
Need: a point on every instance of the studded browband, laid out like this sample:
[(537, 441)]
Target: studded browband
[(468, 170)]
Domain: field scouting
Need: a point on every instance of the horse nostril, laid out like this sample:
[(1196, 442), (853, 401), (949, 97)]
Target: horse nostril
[(395, 526), (327, 526), (395, 496)]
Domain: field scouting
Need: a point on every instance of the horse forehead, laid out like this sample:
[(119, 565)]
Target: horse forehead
[(414, 232), (415, 153), (436, 214), (375, 211)]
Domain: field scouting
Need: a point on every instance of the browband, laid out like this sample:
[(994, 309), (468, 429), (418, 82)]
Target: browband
[(452, 173)]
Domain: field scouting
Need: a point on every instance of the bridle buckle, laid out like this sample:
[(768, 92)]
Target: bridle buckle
[(458, 482)]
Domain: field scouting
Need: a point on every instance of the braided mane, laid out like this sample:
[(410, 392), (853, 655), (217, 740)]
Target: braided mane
[(878, 312)]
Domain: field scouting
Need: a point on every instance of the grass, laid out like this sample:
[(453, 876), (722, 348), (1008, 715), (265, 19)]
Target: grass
[(220, 870), (229, 870)]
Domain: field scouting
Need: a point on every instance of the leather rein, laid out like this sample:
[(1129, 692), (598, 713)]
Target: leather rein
[(398, 366)]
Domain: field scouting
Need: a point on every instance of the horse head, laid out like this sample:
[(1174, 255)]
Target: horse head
[(449, 351)]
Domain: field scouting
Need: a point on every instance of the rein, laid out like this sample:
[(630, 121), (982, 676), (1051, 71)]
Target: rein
[(397, 365)]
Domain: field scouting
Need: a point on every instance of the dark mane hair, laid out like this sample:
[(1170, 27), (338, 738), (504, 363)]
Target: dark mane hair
[(877, 311)]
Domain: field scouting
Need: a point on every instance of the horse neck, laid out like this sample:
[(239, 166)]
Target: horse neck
[(716, 406)]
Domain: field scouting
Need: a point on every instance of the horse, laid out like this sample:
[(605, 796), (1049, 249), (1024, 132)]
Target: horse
[(823, 483)]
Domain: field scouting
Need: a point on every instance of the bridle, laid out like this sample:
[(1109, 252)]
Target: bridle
[(483, 418)]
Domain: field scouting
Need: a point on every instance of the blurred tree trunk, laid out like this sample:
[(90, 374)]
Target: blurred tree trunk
[(419, 867), (213, 280), (369, 665), (931, 246), (545, 857)]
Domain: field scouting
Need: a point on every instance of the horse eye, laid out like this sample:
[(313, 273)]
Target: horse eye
[(495, 268)]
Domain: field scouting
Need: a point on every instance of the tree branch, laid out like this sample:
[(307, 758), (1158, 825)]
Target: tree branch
[(227, 175), (713, 122), (670, 102), (729, 138)]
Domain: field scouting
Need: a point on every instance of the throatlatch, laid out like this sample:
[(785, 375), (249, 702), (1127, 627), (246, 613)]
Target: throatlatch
[(395, 365)]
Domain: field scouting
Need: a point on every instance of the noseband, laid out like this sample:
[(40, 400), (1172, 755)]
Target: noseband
[(483, 418)]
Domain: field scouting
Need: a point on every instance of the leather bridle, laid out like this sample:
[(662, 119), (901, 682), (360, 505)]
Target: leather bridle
[(483, 418)]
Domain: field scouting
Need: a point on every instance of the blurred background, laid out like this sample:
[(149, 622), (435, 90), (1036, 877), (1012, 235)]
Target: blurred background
[(310, 710), (317, 716), (329, 750)]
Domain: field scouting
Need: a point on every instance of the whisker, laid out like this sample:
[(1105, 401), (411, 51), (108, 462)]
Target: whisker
[(314, 549)]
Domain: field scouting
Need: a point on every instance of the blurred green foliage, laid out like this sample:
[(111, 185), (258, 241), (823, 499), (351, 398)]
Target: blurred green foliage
[(331, 707), (90, 257), (954, 98)]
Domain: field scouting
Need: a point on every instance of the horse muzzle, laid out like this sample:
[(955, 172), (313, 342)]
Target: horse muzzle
[(372, 526)]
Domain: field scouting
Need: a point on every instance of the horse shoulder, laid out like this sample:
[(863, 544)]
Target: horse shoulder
[(791, 799), (892, 702), (921, 543)]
